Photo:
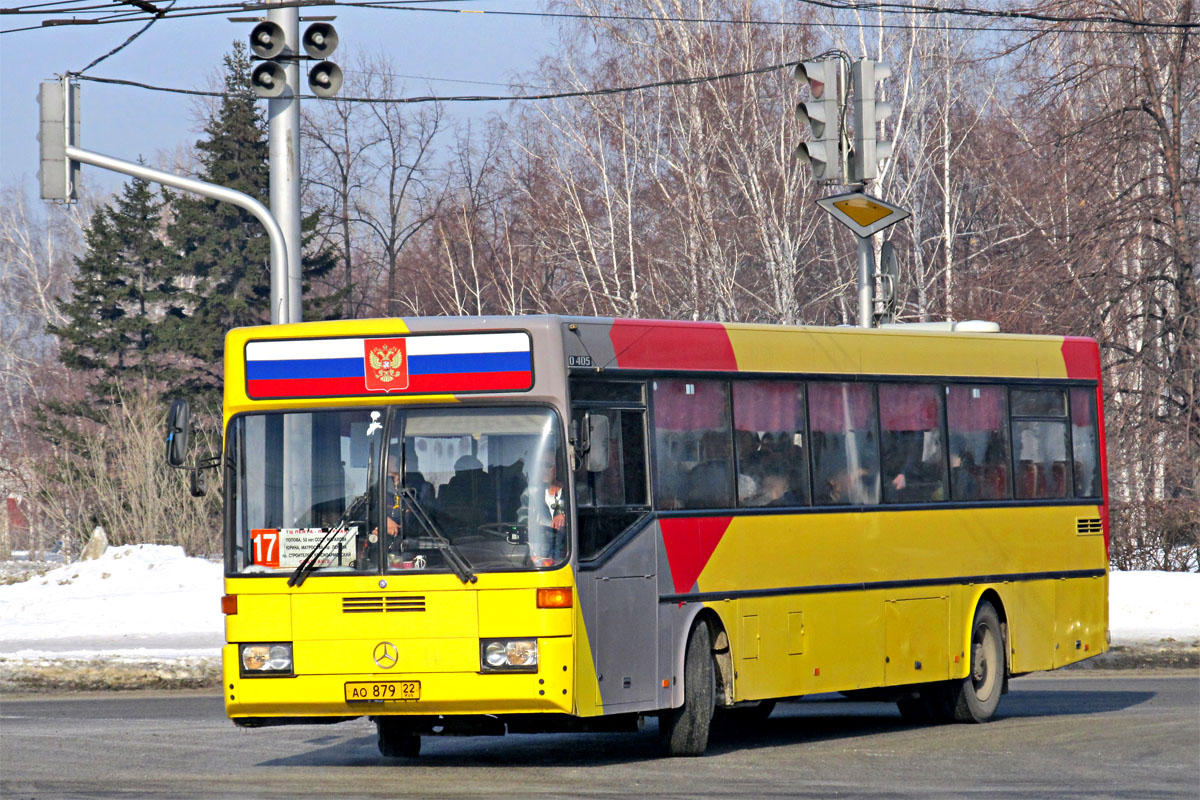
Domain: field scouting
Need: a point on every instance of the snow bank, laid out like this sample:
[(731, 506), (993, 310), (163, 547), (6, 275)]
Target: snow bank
[(1149, 606), (132, 595)]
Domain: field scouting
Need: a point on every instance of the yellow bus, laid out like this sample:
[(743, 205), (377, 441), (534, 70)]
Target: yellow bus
[(520, 524)]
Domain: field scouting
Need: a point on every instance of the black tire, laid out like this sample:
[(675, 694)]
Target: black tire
[(684, 731), (396, 741), (975, 697)]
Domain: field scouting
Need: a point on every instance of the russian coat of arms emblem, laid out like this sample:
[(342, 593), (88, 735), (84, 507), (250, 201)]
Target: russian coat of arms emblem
[(386, 365)]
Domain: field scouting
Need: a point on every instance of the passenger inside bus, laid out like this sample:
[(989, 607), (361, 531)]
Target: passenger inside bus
[(461, 499), (709, 482), (776, 484)]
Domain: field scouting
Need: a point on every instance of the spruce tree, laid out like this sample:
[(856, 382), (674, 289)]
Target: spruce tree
[(223, 251), (120, 295)]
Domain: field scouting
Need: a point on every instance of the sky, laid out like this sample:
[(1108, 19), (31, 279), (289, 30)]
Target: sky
[(127, 122)]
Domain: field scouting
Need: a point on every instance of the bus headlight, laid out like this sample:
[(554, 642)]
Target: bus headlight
[(266, 659), (509, 655)]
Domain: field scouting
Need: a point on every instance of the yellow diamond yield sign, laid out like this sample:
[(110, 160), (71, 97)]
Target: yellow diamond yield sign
[(862, 213)]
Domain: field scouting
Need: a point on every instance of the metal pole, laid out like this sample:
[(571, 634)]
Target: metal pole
[(279, 249), (866, 281), (284, 115)]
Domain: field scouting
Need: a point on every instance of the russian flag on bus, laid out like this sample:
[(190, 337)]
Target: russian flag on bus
[(356, 366)]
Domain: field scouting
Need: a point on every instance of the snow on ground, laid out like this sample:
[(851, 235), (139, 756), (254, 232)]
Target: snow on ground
[(1150, 606), (153, 603), (137, 602)]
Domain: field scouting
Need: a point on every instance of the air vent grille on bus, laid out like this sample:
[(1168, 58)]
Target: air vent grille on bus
[(1088, 527), (381, 605)]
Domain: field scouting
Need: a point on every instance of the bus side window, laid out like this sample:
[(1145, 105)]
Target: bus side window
[(914, 458), (1040, 438), (693, 444), (623, 481), (844, 449), (977, 419), (1085, 442), (769, 438)]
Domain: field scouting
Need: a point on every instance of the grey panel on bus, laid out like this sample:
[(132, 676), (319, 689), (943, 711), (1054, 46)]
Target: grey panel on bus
[(626, 633), (589, 345)]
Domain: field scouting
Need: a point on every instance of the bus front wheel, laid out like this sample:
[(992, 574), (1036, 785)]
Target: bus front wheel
[(684, 731), (395, 740)]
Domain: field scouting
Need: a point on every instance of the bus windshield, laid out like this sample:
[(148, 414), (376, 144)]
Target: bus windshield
[(362, 491), (490, 481)]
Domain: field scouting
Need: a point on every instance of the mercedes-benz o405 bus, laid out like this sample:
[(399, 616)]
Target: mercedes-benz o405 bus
[(491, 524)]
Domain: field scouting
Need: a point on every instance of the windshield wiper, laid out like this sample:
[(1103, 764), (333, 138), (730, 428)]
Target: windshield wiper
[(457, 561), (309, 562)]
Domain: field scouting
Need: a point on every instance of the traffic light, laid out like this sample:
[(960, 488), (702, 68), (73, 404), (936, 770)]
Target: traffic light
[(868, 151), (57, 174), (823, 116), (268, 41)]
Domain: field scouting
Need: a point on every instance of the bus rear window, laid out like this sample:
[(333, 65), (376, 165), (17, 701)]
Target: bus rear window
[(1085, 443)]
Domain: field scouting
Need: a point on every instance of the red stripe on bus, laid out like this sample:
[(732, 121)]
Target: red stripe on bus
[(672, 345), (1081, 356), (690, 542)]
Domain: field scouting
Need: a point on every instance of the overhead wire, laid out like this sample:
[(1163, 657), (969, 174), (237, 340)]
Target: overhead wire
[(919, 10), (473, 98), (1128, 25), (128, 41)]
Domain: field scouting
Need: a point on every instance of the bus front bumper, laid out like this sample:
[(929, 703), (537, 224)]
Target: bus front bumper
[(548, 690)]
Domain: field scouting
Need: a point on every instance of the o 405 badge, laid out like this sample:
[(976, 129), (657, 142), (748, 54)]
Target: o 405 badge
[(386, 364)]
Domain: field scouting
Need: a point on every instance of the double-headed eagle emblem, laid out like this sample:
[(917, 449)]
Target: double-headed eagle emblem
[(386, 362)]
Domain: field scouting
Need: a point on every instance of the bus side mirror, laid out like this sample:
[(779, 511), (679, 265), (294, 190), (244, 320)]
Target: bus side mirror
[(179, 424), (597, 440)]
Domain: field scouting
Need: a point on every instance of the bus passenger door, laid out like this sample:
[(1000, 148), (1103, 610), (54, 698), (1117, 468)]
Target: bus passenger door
[(627, 625), (617, 553)]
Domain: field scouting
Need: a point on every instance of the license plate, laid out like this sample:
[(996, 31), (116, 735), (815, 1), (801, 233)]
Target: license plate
[(382, 691)]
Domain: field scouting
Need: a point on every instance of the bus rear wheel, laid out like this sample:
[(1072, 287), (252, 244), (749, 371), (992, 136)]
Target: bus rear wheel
[(976, 697), (396, 740), (684, 731)]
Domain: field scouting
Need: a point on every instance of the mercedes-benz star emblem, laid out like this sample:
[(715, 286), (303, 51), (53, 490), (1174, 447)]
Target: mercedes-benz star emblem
[(386, 655)]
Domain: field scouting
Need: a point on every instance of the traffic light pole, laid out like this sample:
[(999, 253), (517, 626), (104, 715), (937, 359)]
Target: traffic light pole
[(284, 146), (279, 249), (866, 282)]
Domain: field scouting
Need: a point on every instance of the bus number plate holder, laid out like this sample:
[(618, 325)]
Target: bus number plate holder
[(382, 691)]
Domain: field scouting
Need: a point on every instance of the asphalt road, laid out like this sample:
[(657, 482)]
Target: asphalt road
[(1067, 735)]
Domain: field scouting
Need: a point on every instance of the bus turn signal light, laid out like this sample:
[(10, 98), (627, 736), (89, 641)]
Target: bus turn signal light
[(229, 604), (554, 598)]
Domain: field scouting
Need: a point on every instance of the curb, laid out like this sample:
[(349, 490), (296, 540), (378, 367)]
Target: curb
[(98, 674), (1163, 654)]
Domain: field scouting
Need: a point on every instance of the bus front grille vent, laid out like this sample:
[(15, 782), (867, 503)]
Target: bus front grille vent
[(1088, 526), (382, 605)]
